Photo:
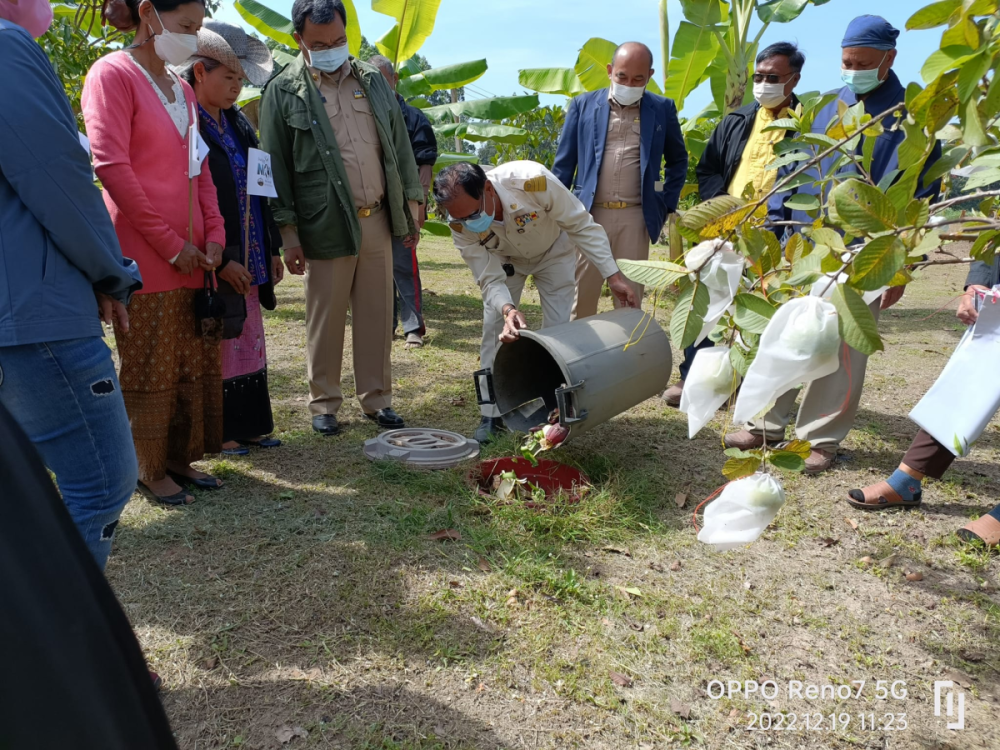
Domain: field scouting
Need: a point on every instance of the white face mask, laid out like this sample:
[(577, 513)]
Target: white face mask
[(626, 95), (769, 95), (173, 49)]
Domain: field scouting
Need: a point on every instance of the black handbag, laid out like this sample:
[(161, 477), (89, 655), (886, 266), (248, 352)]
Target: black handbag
[(209, 309), (236, 304)]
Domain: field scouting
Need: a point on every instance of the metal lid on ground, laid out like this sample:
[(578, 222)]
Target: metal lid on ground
[(422, 446)]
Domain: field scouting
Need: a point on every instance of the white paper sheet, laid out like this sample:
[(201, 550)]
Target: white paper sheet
[(966, 396), (260, 179)]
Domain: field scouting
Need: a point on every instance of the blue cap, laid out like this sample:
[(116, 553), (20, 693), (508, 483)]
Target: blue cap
[(870, 31)]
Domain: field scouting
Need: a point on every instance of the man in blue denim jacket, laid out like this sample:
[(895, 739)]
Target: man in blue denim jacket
[(830, 405), (60, 269)]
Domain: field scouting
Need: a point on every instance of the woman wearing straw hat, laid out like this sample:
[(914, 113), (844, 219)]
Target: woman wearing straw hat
[(251, 264)]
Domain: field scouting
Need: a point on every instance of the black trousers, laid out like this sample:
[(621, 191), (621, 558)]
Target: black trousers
[(928, 456)]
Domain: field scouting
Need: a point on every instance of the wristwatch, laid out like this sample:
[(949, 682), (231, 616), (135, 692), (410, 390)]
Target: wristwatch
[(507, 309)]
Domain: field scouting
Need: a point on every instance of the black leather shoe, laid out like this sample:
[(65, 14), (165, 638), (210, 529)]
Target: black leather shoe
[(326, 424), (489, 429), (387, 419)]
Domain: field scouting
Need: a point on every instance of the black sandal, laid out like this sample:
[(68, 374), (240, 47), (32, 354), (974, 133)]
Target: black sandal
[(207, 483), (178, 498)]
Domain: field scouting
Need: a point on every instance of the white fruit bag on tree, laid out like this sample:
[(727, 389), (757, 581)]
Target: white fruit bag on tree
[(710, 381), (741, 513), (720, 271), (800, 344), (823, 288)]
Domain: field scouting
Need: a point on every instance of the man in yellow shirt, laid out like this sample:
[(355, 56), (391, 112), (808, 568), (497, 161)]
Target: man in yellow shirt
[(738, 152)]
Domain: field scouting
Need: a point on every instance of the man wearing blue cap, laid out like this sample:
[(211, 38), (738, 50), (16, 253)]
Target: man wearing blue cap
[(829, 405)]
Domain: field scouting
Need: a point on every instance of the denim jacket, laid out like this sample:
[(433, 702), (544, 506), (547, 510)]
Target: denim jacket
[(57, 244)]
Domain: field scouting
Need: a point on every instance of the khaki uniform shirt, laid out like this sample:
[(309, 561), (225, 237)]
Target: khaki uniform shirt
[(537, 209), (620, 179), (757, 154), (357, 139)]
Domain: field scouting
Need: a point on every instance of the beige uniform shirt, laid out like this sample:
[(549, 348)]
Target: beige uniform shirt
[(620, 178), (537, 209), (354, 127)]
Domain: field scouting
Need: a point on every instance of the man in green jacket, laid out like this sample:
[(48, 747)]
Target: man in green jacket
[(347, 183)]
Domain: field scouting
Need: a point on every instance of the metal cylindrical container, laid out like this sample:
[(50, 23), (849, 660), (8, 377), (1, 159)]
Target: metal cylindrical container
[(582, 368)]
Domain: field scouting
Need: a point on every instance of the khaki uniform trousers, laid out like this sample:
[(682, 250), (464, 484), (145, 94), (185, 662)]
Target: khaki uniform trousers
[(829, 405), (629, 238), (363, 283), (554, 278)]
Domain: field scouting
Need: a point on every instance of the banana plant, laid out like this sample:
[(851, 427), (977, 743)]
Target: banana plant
[(589, 74)]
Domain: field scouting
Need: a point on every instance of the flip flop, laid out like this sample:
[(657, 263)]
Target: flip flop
[(880, 496), (241, 451), (985, 529), (205, 483), (178, 498), (262, 443)]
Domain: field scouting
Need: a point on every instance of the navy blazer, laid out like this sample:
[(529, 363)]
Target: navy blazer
[(581, 149)]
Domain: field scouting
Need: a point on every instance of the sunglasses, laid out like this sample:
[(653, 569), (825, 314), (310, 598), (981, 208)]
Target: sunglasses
[(769, 77)]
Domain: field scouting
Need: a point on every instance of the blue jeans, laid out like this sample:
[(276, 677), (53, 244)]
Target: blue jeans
[(65, 396)]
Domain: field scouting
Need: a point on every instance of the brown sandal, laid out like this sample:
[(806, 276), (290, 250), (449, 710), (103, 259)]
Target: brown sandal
[(985, 529), (880, 496)]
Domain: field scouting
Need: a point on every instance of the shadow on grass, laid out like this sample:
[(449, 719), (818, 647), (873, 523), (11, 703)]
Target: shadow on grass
[(386, 716)]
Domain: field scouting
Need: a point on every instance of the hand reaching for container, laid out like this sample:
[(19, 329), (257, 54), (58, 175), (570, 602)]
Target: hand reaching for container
[(967, 312), (622, 290), (513, 322)]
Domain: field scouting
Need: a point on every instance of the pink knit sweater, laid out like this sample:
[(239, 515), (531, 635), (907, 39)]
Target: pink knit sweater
[(142, 162)]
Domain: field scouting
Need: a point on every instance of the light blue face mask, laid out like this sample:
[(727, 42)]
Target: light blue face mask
[(329, 60), (481, 221), (862, 81)]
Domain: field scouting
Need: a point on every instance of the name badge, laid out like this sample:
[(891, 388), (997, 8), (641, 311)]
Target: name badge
[(359, 93)]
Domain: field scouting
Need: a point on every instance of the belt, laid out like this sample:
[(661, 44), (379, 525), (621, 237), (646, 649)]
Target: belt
[(618, 204), (364, 213)]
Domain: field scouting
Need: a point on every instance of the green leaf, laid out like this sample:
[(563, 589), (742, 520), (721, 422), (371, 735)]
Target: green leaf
[(887, 179), (695, 219), (741, 360), (864, 207), (935, 14), (972, 126), (437, 228), (248, 94), (982, 179), (447, 158), (785, 123), (414, 24), (943, 60), (807, 270), (972, 73), (930, 242), (437, 79), (829, 237), (268, 22), (739, 453), (695, 47), (562, 81), (482, 131), (780, 11), (737, 468), (753, 313), (655, 274), (984, 248), (802, 202), (689, 314), (789, 158), (786, 460), (702, 12), (592, 65), (877, 263), (913, 146), (868, 153), (917, 212), (497, 108), (902, 191), (855, 321), (934, 105), (948, 161), (801, 448)]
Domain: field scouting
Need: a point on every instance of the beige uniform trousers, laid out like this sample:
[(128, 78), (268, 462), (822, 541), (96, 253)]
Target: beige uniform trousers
[(553, 275), (829, 405), (364, 283), (629, 239)]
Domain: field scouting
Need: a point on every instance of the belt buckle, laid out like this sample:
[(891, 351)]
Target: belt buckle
[(364, 213)]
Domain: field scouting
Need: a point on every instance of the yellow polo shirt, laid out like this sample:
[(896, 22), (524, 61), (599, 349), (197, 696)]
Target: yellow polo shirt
[(759, 152)]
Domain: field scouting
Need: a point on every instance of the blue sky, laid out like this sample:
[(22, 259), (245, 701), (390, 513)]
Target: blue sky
[(519, 34)]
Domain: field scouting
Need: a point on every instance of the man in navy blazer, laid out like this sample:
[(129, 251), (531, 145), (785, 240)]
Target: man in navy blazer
[(612, 153)]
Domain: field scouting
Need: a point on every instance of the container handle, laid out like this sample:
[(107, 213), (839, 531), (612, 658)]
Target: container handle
[(569, 412), (491, 397)]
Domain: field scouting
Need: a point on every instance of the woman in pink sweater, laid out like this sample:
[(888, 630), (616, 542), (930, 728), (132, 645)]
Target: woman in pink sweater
[(138, 115)]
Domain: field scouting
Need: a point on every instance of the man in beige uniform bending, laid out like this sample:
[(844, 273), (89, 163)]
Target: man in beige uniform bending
[(516, 221), (347, 183)]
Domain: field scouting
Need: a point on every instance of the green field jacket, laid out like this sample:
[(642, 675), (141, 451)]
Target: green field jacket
[(314, 194)]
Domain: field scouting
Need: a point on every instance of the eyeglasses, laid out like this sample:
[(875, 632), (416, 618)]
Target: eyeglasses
[(768, 77), (476, 215)]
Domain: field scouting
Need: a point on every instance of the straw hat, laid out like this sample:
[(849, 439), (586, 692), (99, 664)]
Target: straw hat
[(232, 47)]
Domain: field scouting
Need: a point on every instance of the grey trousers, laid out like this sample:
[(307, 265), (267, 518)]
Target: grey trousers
[(408, 300)]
